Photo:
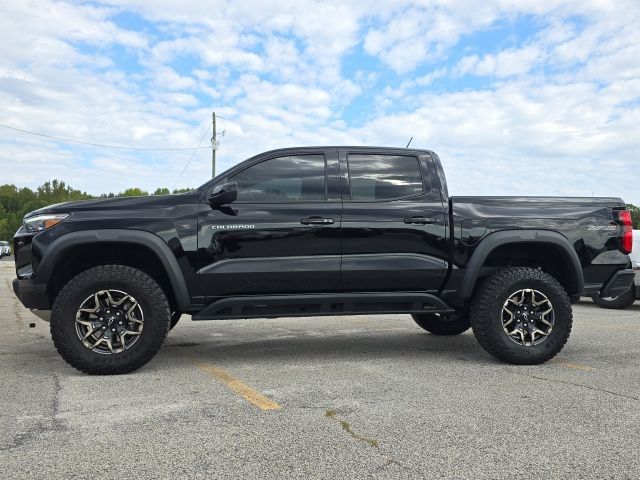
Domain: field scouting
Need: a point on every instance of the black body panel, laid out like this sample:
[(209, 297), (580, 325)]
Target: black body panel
[(581, 227), (393, 244), (257, 248)]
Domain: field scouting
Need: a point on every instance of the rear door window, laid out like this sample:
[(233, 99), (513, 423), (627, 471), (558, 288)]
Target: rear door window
[(384, 177)]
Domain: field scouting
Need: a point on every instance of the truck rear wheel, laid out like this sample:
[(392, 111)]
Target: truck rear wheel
[(438, 324), (521, 316), (110, 319), (618, 303)]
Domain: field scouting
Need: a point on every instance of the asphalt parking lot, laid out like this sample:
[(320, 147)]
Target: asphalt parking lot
[(332, 397)]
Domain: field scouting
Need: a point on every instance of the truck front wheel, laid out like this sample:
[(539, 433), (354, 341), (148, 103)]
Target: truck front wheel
[(110, 319), (521, 315), (438, 324)]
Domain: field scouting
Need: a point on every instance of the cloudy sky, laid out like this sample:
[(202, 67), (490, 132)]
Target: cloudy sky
[(517, 97)]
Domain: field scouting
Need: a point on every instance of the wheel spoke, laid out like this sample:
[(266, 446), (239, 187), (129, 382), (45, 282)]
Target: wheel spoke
[(89, 333), (548, 324), (110, 302), (96, 300), (109, 344), (521, 333), (134, 320), (124, 299), (537, 331), (544, 300), (513, 301), (98, 342), (134, 304), (510, 319), (514, 331)]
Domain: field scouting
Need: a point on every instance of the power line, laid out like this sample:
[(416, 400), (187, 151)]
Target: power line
[(204, 134), (119, 147)]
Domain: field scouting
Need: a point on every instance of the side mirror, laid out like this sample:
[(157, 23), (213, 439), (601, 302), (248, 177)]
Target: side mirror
[(223, 194)]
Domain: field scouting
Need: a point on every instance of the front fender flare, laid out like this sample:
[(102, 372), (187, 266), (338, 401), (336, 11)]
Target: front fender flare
[(504, 237), (138, 237)]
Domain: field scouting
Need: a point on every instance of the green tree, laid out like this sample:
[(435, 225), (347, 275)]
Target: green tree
[(133, 192), (635, 215), (16, 202)]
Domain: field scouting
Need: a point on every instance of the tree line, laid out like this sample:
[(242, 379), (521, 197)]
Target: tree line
[(16, 202)]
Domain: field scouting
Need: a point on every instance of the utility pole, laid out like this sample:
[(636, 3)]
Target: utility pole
[(214, 145)]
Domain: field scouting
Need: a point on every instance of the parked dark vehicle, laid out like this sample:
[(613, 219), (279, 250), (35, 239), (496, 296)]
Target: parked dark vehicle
[(319, 231), (628, 298)]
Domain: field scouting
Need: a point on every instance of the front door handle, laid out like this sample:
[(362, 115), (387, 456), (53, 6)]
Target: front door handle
[(317, 221), (419, 220)]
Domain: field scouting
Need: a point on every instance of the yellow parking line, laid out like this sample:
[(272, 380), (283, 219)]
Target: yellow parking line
[(575, 366), (245, 391)]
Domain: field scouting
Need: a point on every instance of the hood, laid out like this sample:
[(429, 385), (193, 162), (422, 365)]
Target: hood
[(116, 203)]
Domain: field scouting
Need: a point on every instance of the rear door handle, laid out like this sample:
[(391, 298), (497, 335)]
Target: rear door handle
[(317, 221), (419, 220)]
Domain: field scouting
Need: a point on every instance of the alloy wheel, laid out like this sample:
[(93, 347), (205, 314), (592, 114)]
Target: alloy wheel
[(109, 321), (528, 317)]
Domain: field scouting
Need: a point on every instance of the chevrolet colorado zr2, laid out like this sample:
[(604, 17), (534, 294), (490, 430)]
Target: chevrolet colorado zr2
[(312, 232)]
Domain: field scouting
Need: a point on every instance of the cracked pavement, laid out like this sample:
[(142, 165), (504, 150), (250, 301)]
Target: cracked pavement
[(358, 397)]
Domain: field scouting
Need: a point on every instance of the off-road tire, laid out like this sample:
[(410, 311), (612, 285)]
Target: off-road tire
[(617, 303), (442, 325), (142, 287), (486, 315), (175, 318)]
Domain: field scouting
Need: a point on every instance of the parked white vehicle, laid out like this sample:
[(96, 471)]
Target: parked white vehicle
[(5, 249), (626, 299)]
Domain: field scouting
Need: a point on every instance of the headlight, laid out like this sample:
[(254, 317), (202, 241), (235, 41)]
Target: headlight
[(43, 222)]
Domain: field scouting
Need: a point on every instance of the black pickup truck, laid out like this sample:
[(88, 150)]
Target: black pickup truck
[(319, 231)]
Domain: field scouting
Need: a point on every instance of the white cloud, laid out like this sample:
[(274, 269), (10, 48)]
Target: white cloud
[(524, 138), (555, 113), (166, 78), (506, 63)]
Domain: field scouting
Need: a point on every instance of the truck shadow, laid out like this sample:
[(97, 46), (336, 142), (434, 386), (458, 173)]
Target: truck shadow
[(589, 304), (304, 348)]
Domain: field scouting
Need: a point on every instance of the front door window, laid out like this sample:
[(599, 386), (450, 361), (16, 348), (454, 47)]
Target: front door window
[(299, 178)]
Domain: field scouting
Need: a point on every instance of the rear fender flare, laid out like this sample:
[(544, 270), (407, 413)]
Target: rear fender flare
[(497, 239)]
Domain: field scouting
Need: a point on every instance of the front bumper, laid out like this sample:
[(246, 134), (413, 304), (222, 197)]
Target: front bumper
[(31, 294), (619, 283)]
